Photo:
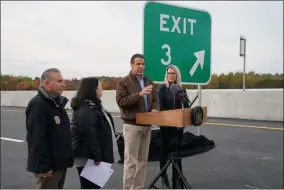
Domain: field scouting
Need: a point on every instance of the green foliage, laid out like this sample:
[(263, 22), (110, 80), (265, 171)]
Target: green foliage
[(222, 81)]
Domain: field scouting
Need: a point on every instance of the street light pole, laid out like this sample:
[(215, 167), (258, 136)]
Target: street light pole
[(243, 41), (244, 74)]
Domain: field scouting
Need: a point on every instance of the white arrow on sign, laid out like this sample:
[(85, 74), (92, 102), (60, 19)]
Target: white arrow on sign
[(200, 61)]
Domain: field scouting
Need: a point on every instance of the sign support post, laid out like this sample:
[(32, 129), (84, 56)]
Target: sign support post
[(199, 104), (243, 41)]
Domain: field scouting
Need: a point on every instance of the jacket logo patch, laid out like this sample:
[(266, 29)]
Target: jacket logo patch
[(57, 119)]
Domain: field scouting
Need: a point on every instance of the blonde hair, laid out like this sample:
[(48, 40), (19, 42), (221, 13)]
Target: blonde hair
[(176, 69)]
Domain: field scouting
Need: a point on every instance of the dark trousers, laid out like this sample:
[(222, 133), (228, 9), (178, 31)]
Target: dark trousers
[(86, 184), (168, 135)]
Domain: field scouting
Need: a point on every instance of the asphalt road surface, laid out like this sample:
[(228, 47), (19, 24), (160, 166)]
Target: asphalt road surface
[(248, 154)]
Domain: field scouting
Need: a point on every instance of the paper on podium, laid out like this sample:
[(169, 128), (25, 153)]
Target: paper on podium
[(99, 175)]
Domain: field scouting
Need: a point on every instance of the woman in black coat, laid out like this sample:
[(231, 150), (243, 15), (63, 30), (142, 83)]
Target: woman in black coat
[(169, 102), (93, 129)]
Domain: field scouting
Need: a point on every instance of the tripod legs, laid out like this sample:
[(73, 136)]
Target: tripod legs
[(159, 175), (177, 175), (176, 180)]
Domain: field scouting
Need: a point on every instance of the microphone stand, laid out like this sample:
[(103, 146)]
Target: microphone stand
[(178, 180), (174, 156)]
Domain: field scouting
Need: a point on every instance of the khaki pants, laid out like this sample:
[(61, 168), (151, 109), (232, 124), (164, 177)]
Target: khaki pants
[(56, 181), (136, 144)]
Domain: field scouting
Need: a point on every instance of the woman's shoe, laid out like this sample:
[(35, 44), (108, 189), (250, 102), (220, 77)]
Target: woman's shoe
[(178, 183), (165, 182)]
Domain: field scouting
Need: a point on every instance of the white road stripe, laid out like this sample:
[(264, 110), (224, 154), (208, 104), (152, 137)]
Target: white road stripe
[(13, 140), (249, 186)]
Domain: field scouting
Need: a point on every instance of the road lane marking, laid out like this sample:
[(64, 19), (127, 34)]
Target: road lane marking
[(245, 126), (208, 123), (10, 139), (265, 158), (252, 187), (13, 110)]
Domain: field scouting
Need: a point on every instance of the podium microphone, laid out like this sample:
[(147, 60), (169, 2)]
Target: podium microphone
[(174, 88), (178, 90)]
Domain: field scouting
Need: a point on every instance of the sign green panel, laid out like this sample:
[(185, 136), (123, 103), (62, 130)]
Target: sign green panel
[(180, 36)]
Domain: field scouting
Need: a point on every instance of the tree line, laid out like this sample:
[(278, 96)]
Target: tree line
[(218, 81)]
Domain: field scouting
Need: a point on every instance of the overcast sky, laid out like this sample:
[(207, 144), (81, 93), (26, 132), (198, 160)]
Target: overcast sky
[(84, 38)]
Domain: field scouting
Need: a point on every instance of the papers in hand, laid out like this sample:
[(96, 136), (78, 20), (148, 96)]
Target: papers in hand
[(99, 175)]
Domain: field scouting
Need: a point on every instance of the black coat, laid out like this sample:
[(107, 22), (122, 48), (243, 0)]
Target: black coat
[(92, 136), (48, 134)]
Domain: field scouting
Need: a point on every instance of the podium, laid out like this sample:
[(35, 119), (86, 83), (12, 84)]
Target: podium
[(174, 118), (171, 118)]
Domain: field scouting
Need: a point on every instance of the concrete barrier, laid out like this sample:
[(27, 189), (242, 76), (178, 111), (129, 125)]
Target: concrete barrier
[(254, 104)]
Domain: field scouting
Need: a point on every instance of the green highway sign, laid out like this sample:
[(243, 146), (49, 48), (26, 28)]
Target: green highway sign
[(180, 36)]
